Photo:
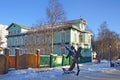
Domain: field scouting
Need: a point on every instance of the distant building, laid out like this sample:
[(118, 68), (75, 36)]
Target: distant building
[(3, 39), (68, 33)]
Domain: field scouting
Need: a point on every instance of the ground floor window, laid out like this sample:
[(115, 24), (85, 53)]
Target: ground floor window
[(62, 50)]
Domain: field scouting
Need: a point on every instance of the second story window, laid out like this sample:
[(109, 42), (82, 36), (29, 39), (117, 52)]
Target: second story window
[(89, 39), (62, 50), (18, 31), (9, 33), (25, 40), (75, 37), (14, 31), (63, 37), (16, 41), (81, 38), (10, 42), (21, 40)]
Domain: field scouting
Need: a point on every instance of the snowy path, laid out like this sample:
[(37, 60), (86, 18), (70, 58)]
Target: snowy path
[(88, 72)]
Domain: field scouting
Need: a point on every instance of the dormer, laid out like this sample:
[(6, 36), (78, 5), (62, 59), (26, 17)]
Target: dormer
[(79, 23), (82, 24)]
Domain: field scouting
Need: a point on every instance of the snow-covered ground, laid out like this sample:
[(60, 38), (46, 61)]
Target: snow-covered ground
[(57, 73)]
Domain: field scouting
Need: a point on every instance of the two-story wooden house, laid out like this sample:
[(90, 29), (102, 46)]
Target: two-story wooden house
[(68, 33)]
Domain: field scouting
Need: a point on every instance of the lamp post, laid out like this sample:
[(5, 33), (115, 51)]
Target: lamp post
[(110, 56), (52, 40), (52, 44)]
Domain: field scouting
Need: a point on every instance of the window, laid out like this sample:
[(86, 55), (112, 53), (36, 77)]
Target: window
[(42, 51), (62, 37), (22, 51), (34, 39), (10, 42), (31, 38), (62, 50), (10, 51), (14, 31), (16, 41), (26, 39), (37, 39), (9, 33), (75, 37), (89, 39), (18, 31), (81, 38), (21, 40)]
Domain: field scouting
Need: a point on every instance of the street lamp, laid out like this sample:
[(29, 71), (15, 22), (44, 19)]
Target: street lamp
[(111, 65)]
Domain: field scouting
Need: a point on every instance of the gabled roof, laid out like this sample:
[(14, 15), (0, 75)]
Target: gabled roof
[(65, 24), (72, 21), (22, 26), (75, 21)]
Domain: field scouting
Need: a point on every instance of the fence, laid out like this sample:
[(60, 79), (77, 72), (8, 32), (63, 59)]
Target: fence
[(19, 61), (3, 64), (34, 61), (54, 60), (27, 60)]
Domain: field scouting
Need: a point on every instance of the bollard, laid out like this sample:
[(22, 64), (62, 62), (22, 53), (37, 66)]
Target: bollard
[(38, 58), (51, 59)]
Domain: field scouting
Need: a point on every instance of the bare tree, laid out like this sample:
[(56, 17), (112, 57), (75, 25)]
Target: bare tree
[(106, 42), (41, 35), (55, 14)]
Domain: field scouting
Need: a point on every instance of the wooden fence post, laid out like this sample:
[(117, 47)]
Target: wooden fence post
[(38, 58), (7, 52), (17, 58)]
